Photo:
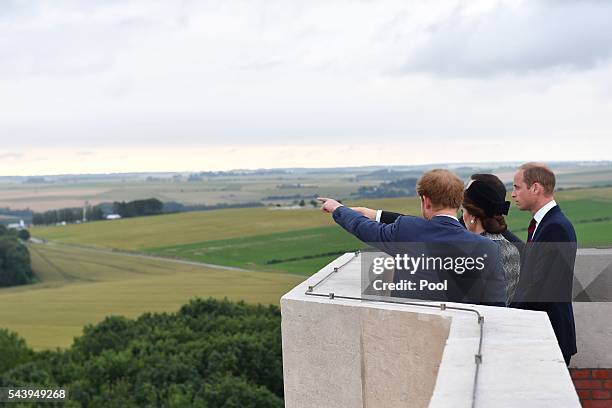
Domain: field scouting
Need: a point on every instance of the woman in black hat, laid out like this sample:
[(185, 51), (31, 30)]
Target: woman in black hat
[(484, 208)]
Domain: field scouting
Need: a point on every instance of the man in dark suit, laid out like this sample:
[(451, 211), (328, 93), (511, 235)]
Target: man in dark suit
[(389, 217), (441, 194), (547, 265)]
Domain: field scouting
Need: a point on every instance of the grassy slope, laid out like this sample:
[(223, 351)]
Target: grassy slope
[(80, 287)]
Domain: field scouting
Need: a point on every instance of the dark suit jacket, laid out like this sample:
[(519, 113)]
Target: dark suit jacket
[(435, 236), (389, 217), (547, 273)]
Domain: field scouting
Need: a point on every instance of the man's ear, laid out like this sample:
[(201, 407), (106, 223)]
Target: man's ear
[(426, 202), (536, 188)]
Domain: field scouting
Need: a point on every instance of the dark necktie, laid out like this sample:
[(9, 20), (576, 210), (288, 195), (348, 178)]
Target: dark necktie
[(531, 229)]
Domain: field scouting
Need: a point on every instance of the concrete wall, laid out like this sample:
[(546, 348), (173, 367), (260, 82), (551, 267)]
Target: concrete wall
[(343, 355), (344, 352)]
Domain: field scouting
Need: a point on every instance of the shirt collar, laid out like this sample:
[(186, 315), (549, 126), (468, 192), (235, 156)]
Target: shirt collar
[(446, 215), (539, 215)]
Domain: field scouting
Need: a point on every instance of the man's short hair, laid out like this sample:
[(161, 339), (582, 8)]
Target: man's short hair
[(539, 173), (444, 188)]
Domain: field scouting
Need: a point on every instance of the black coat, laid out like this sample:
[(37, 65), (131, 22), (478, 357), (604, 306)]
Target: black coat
[(547, 273)]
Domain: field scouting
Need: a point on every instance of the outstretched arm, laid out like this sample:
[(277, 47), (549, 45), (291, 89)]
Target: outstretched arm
[(362, 227)]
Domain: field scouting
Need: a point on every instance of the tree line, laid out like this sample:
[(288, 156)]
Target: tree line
[(136, 208), (399, 188), (67, 215), (210, 354)]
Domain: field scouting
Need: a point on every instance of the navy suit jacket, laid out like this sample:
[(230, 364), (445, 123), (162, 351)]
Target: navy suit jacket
[(547, 273), (389, 217), (443, 234)]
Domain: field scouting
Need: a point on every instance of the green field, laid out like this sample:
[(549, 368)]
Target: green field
[(294, 241), (184, 228), (79, 287), (589, 209), (263, 252), (303, 251)]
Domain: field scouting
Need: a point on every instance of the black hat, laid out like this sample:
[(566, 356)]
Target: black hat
[(488, 198)]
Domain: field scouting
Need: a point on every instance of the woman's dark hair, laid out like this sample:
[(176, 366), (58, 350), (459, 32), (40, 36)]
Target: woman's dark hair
[(486, 201), (492, 180)]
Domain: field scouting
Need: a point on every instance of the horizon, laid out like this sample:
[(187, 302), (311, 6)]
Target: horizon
[(450, 165)]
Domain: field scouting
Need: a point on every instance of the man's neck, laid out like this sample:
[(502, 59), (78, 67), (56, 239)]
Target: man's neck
[(449, 212), (541, 203)]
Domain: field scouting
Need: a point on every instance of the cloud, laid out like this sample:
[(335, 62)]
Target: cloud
[(89, 75), (517, 39), (72, 38), (11, 155)]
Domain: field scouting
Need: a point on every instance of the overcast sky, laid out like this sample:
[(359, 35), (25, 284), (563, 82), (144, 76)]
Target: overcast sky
[(107, 86)]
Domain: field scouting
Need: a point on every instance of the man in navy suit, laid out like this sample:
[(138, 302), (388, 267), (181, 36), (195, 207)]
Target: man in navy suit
[(441, 193), (547, 265)]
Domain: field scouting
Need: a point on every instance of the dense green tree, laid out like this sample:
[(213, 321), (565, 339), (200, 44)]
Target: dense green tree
[(209, 354), (24, 234), (15, 264), (13, 350), (68, 215), (138, 208), (38, 219), (96, 213)]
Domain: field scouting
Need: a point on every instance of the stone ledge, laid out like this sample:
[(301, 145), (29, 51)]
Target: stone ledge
[(351, 353)]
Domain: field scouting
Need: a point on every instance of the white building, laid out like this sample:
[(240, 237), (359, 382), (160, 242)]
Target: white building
[(18, 226)]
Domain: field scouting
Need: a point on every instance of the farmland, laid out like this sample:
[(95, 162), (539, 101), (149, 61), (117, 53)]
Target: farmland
[(589, 209), (295, 241), (90, 270), (79, 287), (268, 187)]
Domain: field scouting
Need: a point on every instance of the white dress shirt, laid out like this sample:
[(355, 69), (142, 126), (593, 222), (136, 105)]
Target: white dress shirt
[(539, 215)]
